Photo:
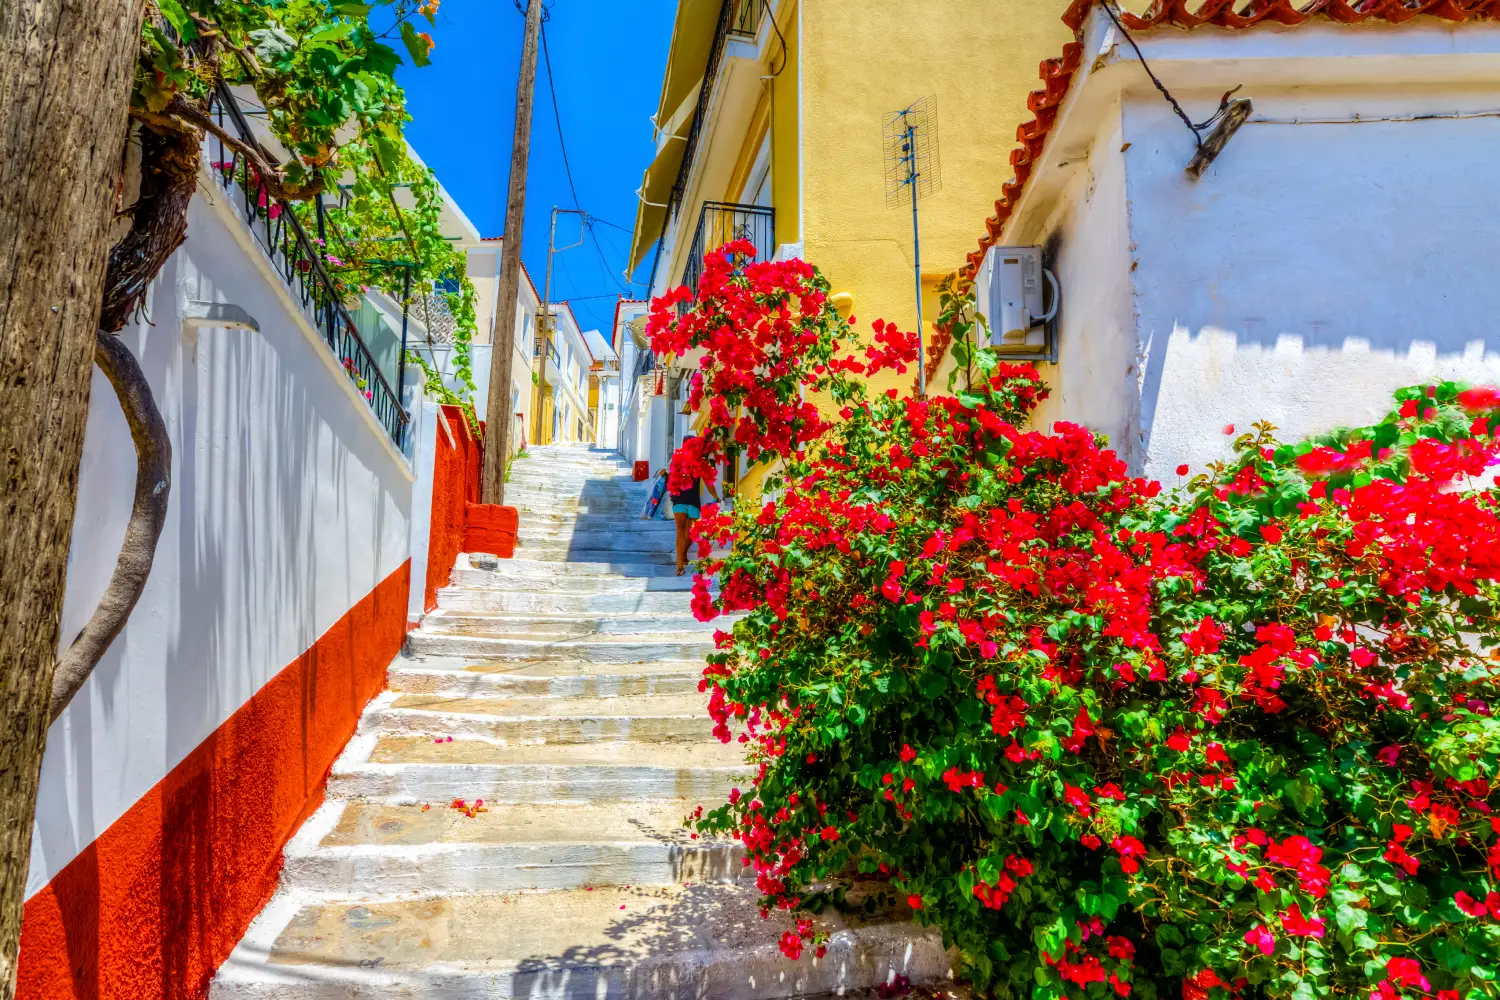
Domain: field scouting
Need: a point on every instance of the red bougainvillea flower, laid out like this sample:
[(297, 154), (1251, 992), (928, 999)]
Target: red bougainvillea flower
[(981, 653), (1261, 939)]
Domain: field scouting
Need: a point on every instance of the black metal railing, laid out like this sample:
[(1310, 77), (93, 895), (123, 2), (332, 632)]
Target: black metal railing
[(723, 222), (745, 18), (298, 259), (536, 352)]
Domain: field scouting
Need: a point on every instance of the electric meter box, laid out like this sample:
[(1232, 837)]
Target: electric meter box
[(1010, 292)]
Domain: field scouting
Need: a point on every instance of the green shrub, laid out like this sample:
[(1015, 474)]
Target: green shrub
[(1237, 737)]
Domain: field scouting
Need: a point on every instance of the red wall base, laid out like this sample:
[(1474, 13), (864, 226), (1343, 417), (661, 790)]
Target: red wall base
[(150, 909), (455, 485), (492, 529)]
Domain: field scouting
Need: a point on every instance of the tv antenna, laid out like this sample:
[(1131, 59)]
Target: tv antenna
[(913, 170)]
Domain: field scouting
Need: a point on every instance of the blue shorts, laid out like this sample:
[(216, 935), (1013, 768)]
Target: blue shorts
[(688, 509)]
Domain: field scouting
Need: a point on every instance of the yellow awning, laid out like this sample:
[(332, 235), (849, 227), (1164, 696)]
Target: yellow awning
[(656, 189), (692, 41)]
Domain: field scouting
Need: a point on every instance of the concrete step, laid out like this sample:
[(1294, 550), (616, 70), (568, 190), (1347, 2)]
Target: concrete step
[(415, 769), (613, 566), (623, 649), (564, 626), (610, 541), (460, 600), (354, 849), (543, 678), (502, 581), (652, 718), (562, 494), (637, 943), (663, 559), (566, 527)]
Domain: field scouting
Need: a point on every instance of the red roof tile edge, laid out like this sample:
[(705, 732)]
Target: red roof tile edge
[(1057, 74)]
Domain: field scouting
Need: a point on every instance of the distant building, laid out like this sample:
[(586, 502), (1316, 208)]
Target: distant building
[(561, 413), (604, 389)]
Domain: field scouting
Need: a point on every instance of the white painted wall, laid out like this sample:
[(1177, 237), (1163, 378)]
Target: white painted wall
[(289, 505), (1312, 270), (1094, 381), (607, 413)]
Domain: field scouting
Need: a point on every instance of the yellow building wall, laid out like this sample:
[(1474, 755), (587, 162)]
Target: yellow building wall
[(777, 114), (975, 60), (860, 60)]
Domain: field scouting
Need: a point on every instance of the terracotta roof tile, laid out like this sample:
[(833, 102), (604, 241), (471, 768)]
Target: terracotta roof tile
[(1057, 74)]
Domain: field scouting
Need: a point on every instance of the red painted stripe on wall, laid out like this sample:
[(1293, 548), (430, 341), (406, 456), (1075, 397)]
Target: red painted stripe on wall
[(455, 485), (157, 903)]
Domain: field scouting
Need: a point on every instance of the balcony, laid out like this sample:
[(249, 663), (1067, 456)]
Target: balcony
[(745, 17), (724, 222)]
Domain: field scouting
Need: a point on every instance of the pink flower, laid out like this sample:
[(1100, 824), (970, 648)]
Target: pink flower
[(1407, 972), (1296, 925), (1261, 938)]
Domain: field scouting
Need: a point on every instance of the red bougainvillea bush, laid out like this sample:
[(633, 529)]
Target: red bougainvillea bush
[(768, 336), (1232, 740)]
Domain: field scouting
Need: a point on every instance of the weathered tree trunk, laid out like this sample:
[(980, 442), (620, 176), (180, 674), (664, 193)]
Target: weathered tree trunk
[(65, 71), (159, 222), (153, 486)]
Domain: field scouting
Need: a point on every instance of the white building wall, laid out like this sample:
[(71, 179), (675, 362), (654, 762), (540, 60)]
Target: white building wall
[(289, 505), (1315, 269), (1095, 378), (607, 414), (1322, 261)]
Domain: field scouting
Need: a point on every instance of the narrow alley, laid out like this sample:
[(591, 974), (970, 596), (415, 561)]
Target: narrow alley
[(508, 821)]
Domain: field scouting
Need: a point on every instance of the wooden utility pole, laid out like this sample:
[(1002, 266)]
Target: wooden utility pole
[(65, 73), (499, 413)]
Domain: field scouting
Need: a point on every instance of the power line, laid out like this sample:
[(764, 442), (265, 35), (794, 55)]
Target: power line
[(568, 169), (611, 225)]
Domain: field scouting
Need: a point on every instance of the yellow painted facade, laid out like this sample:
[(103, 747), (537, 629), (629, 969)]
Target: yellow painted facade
[(822, 87), (975, 60)]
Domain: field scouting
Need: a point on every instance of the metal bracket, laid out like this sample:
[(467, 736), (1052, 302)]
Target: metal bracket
[(218, 315), (1234, 116)]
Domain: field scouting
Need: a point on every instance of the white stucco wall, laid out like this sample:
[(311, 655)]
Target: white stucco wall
[(1094, 380), (1313, 269), (288, 506)]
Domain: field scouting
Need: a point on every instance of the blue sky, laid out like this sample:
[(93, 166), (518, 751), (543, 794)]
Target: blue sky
[(608, 58)]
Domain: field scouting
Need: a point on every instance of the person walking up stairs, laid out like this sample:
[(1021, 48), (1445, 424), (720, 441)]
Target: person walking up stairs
[(508, 821)]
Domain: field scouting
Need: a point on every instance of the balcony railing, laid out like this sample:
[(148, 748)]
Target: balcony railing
[(296, 257), (724, 222), (745, 17)]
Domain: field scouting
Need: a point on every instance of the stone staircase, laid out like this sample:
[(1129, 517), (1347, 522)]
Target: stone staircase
[(560, 688)]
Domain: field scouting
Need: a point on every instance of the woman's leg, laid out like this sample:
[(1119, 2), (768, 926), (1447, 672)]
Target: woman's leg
[(683, 522)]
